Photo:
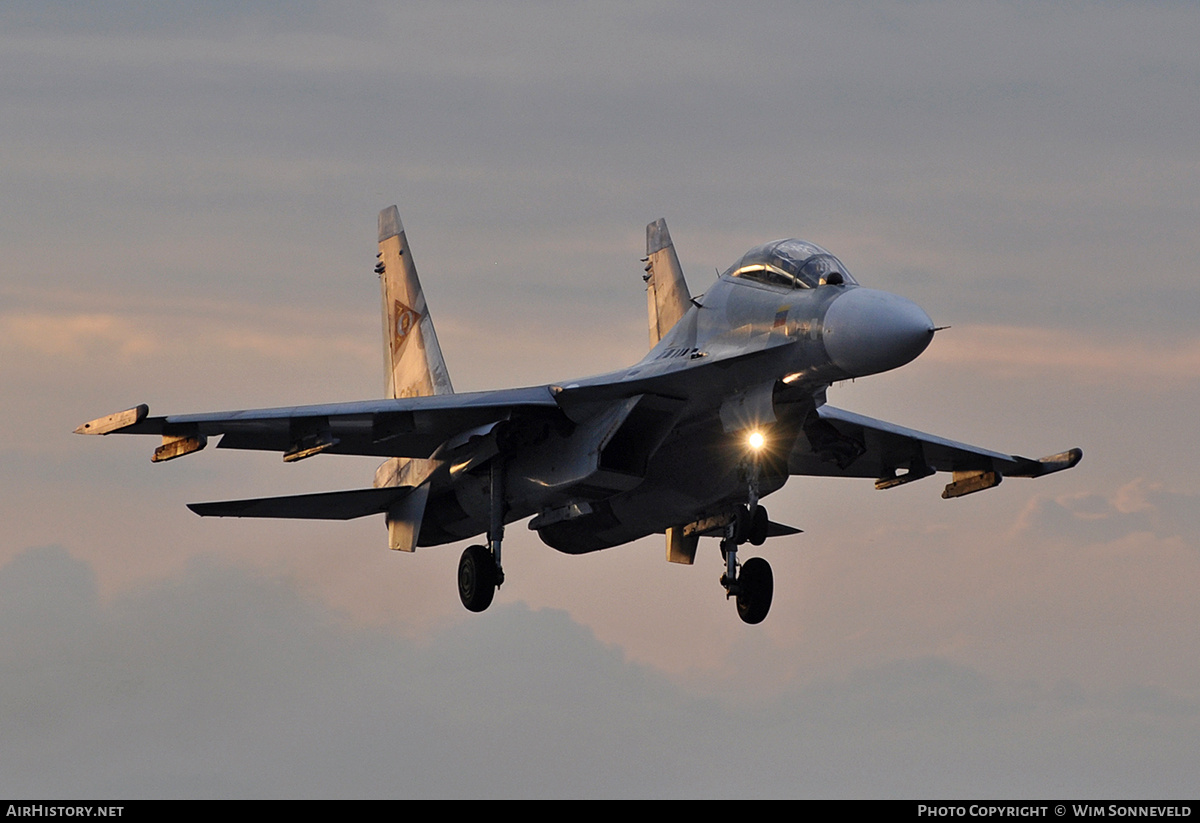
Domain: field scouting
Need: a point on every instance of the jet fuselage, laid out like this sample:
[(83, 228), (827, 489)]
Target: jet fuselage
[(749, 356), (728, 403)]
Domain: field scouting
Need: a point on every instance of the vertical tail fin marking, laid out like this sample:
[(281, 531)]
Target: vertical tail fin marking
[(413, 367), (667, 296), (412, 357)]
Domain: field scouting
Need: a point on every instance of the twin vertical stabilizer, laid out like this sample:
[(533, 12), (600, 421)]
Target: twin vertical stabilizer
[(413, 367), (411, 356), (667, 296)]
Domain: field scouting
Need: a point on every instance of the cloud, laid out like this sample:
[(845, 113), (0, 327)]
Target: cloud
[(1029, 166), (222, 683), (1140, 506), (223, 335), (1027, 353), (75, 335)]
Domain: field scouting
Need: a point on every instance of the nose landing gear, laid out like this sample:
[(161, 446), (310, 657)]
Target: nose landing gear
[(752, 583), (756, 586)]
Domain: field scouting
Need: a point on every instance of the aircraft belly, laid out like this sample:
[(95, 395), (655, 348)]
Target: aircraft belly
[(461, 512), (691, 476)]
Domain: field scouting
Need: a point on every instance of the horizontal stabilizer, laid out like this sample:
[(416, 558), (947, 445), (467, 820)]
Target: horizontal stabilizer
[(344, 505)]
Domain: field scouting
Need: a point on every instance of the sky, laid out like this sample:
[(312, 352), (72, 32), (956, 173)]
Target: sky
[(189, 194)]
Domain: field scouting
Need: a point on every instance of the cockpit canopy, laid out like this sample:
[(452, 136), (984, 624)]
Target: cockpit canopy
[(790, 264)]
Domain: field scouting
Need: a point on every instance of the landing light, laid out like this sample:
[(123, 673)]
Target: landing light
[(756, 440)]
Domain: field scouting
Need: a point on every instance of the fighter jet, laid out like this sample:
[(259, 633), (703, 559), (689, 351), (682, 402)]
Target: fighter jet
[(728, 403)]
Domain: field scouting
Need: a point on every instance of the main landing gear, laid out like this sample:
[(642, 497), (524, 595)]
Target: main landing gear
[(479, 570), (751, 583)]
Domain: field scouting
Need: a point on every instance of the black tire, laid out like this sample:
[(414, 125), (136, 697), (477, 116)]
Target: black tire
[(756, 587), (759, 523), (476, 578)]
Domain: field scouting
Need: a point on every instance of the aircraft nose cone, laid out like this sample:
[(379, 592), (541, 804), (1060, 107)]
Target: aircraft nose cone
[(869, 331)]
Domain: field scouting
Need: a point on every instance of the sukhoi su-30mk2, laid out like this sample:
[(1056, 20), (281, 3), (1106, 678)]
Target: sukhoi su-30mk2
[(728, 403)]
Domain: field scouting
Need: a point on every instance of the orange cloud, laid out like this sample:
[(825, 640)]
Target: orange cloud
[(1014, 351), (74, 334)]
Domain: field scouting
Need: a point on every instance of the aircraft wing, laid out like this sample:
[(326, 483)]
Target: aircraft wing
[(404, 427), (840, 443), (417, 426)]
